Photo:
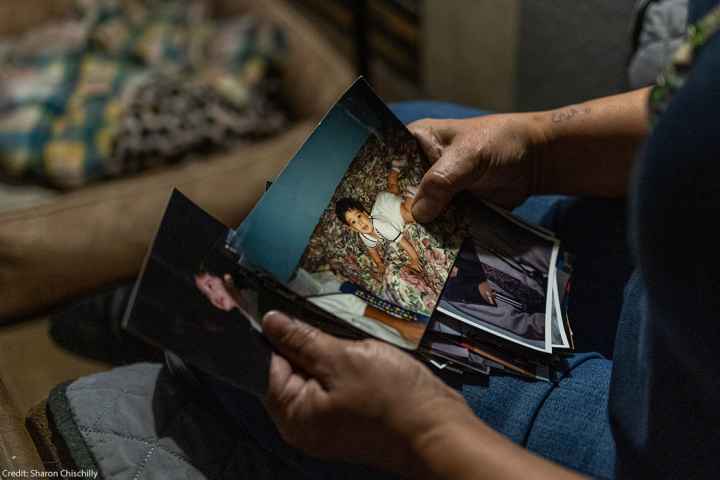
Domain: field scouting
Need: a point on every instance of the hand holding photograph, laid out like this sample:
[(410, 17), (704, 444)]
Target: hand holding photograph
[(333, 241), (185, 300), (337, 224)]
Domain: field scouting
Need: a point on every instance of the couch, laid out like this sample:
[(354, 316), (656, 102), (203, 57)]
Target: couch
[(95, 237)]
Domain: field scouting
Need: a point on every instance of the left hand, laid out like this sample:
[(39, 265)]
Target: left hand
[(415, 266), (359, 401), (493, 156)]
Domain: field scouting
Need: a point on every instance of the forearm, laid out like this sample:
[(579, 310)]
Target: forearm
[(589, 148), (466, 448)]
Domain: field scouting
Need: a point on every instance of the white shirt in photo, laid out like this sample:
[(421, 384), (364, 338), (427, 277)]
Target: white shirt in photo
[(386, 218)]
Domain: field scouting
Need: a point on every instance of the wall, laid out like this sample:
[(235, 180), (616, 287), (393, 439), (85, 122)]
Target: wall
[(524, 54)]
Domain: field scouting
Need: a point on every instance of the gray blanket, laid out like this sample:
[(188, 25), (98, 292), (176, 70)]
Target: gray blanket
[(660, 28), (138, 422)]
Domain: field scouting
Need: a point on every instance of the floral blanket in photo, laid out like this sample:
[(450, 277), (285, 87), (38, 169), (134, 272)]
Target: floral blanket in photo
[(336, 246)]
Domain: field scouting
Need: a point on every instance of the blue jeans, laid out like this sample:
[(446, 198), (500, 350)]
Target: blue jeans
[(566, 422)]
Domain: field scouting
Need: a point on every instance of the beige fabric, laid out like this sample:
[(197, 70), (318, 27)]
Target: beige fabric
[(98, 235), (17, 16)]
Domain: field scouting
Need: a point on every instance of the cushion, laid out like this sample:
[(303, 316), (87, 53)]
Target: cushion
[(99, 235)]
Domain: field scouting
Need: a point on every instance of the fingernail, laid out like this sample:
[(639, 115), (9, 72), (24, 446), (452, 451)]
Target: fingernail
[(275, 320), (422, 210)]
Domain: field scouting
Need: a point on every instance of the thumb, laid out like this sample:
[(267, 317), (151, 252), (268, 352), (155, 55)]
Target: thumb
[(305, 347), (450, 174)]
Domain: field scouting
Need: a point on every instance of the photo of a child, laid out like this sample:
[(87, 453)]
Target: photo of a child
[(385, 222), (367, 234), (343, 207)]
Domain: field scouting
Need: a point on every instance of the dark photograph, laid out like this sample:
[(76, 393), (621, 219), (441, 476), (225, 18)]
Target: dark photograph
[(186, 301), (500, 282)]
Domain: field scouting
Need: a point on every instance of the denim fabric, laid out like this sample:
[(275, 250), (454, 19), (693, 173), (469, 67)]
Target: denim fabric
[(665, 391), (566, 422)]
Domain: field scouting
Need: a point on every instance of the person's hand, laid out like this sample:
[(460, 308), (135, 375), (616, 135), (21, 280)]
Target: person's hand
[(379, 273), (415, 266), (487, 292), (491, 156), (358, 401)]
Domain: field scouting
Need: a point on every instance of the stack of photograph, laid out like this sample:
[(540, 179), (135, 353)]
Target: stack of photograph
[(333, 241), (503, 305)]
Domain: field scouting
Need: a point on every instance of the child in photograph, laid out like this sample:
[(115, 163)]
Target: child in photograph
[(368, 235), (390, 212)]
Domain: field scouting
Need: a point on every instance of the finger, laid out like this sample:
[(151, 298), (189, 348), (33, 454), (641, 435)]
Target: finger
[(305, 347), (284, 385), (428, 137), (452, 173), (280, 372)]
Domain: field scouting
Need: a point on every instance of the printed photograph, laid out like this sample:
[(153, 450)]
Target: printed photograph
[(562, 333), (500, 280), (337, 225), (367, 241), (186, 301)]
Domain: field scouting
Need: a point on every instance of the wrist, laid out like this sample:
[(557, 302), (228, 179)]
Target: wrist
[(430, 448), (420, 427), (539, 137)]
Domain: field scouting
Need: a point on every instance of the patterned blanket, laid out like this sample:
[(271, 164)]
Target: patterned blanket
[(122, 85)]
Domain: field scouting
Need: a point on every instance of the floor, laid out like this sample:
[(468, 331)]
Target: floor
[(31, 364)]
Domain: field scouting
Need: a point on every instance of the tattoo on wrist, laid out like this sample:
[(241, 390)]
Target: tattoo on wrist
[(566, 114)]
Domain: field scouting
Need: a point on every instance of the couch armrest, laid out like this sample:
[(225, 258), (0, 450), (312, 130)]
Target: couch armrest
[(99, 235), (17, 450), (17, 16), (94, 237), (316, 74)]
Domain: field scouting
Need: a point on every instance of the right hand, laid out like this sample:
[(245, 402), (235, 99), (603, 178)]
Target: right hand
[(492, 156), (358, 401)]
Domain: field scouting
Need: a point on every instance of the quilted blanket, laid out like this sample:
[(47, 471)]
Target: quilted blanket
[(123, 85), (138, 422)]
